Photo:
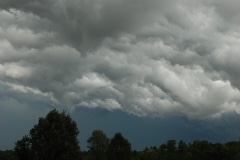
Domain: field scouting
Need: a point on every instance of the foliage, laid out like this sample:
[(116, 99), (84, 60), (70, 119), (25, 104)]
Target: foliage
[(7, 155), (197, 150), (98, 145), (119, 148), (171, 145), (53, 138), (23, 148)]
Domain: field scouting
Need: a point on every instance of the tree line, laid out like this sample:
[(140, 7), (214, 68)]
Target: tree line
[(55, 138)]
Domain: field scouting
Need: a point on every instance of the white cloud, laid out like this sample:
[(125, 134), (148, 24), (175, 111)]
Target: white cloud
[(149, 58), (14, 71), (92, 80), (109, 104)]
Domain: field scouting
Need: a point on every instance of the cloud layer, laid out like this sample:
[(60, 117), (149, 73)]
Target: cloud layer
[(148, 58)]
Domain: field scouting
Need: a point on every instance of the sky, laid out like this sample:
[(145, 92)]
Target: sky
[(153, 70)]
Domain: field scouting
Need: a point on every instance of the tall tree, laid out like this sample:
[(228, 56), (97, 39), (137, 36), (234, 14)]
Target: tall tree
[(119, 148), (171, 145), (23, 148), (182, 146), (98, 145), (53, 138)]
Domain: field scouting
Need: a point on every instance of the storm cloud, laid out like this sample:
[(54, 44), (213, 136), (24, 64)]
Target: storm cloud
[(147, 58)]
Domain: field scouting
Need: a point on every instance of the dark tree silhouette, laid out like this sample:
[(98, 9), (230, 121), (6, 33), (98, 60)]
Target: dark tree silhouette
[(23, 148), (7, 155), (171, 145), (53, 138), (98, 145), (119, 148), (182, 146)]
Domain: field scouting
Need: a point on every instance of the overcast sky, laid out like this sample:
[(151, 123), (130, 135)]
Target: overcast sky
[(158, 63)]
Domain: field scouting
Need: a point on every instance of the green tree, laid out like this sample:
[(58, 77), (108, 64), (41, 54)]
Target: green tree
[(119, 148), (7, 155), (171, 149), (23, 148), (53, 138), (171, 145), (98, 145), (182, 146)]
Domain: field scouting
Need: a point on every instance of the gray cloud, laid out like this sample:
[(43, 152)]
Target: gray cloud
[(148, 58)]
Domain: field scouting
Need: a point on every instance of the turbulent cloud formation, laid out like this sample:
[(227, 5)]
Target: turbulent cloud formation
[(148, 58)]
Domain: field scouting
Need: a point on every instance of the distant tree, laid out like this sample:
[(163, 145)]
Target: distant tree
[(7, 155), (119, 148), (182, 146), (200, 149), (146, 149), (163, 147), (232, 149), (171, 145), (171, 150), (53, 138), (98, 145), (135, 155)]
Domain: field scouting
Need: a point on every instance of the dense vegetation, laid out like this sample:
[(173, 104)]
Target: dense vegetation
[(55, 137), (197, 150)]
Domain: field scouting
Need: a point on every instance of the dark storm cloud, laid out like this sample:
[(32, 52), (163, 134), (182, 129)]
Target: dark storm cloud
[(85, 23), (67, 29), (148, 58)]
